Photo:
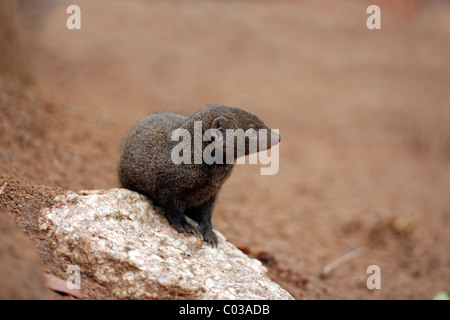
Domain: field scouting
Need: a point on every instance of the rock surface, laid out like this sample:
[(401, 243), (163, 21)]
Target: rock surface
[(118, 240)]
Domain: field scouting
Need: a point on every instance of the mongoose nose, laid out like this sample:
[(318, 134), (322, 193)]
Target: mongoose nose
[(275, 138)]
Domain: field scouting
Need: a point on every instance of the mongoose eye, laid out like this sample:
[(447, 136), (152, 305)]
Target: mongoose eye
[(251, 133)]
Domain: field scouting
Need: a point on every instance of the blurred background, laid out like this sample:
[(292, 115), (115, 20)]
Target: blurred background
[(364, 114)]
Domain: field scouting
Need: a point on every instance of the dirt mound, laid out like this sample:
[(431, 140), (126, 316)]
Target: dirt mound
[(22, 274), (40, 141)]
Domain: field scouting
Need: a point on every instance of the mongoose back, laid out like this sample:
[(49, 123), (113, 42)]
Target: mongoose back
[(186, 189)]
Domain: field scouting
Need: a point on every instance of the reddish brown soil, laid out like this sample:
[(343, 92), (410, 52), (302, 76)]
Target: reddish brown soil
[(22, 274), (364, 116)]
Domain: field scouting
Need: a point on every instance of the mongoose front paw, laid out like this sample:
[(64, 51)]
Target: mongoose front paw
[(210, 238)]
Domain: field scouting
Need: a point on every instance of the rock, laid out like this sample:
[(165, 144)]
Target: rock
[(21, 272), (118, 240)]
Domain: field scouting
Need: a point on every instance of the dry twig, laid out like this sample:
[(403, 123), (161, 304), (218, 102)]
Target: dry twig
[(341, 260)]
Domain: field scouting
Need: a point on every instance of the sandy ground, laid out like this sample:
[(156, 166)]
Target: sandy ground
[(364, 118)]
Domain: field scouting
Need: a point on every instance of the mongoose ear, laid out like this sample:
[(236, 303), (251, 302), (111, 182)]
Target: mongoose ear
[(220, 123)]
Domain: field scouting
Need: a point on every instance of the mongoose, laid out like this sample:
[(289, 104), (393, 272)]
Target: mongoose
[(186, 189)]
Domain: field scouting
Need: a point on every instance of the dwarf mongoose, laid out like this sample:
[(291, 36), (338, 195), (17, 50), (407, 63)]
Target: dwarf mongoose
[(187, 189)]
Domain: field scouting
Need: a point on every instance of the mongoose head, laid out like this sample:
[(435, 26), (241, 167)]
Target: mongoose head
[(236, 128)]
